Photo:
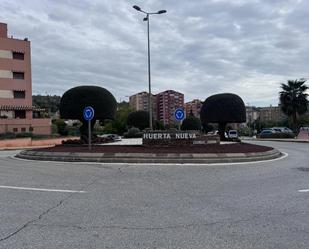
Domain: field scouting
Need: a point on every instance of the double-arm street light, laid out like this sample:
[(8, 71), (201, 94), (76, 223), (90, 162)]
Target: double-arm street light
[(149, 76)]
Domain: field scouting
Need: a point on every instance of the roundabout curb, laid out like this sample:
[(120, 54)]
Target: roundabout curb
[(152, 158)]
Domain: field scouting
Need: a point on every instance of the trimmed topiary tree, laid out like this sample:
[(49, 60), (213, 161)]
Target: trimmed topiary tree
[(191, 123), (138, 119), (76, 99), (223, 108)]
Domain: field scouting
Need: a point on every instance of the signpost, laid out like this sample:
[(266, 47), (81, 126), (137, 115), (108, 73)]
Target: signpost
[(88, 114), (179, 115)]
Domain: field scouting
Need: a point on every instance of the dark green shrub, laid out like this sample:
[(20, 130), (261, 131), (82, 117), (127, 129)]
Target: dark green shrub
[(246, 131), (73, 131), (133, 133), (8, 135), (54, 129), (223, 108), (76, 99), (207, 127), (24, 134), (158, 125), (61, 127), (191, 123), (40, 136), (139, 119)]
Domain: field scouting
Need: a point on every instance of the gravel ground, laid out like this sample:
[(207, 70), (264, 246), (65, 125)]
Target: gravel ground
[(211, 148)]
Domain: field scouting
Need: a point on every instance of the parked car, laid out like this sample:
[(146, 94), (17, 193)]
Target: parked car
[(216, 132), (272, 133), (282, 129), (266, 133), (115, 137), (232, 134), (271, 129)]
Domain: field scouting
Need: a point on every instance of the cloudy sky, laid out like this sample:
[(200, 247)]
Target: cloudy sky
[(199, 47)]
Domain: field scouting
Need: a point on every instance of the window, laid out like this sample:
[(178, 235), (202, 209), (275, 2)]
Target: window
[(18, 56), (19, 94), (23, 129), (20, 114), (19, 75), (15, 129), (30, 129)]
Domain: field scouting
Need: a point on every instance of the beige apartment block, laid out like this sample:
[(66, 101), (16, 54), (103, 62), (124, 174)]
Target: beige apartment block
[(271, 113), (140, 102), (194, 106)]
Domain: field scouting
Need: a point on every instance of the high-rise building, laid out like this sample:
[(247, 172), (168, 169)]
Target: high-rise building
[(16, 110), (140, 101), (167, 102), (194, 106)]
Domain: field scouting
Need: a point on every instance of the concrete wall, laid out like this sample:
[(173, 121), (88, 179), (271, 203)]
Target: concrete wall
[(28, 142), (41, 126)]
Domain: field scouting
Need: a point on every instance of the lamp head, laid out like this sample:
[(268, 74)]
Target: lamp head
[(136, 7), (161, 11)]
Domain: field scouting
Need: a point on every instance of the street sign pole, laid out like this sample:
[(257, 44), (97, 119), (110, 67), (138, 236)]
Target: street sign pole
[(179, 115), (89, 134), (88, 114)]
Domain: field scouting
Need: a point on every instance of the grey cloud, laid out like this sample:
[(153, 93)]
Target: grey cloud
[(199, 47)]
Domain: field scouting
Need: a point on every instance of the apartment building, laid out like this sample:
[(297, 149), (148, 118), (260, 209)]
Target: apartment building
[(140, 101), (16, 110), (271, 113), (252, 114), (167, 102), (194, 106)]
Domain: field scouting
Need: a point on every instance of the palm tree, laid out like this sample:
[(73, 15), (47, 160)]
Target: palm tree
[(293, 99)]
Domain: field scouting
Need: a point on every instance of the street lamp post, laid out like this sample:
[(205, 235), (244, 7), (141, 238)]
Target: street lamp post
[(149, 75)]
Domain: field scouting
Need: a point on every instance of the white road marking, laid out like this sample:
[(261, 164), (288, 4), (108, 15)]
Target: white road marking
[(43, 189), (303, 190)]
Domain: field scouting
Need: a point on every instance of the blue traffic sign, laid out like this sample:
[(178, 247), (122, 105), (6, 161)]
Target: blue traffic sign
[(179, 114), (88, 113)]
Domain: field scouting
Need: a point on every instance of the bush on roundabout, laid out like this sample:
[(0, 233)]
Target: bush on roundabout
[(76, 99), (223, 108), (138, 119), (133, 133)]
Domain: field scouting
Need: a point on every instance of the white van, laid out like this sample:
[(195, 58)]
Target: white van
[(232, 134)]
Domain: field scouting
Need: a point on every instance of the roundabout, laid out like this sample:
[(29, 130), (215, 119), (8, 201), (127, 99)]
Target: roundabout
[(204, 154)]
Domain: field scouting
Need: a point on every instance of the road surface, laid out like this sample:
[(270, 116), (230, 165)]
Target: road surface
[(77, 205)]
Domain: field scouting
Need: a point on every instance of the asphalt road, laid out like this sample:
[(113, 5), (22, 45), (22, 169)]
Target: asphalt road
[(145, 206)]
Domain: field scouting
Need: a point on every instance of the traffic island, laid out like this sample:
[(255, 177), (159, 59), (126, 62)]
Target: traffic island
[(199, 154)]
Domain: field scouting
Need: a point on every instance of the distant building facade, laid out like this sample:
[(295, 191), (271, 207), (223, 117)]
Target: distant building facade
[(194, 106), (140, 101), (167, 102), (16, 110), (252, 114), (271, 114)]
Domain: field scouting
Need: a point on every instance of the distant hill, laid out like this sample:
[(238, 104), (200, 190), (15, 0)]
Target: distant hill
[(48, 102), (51, 103)]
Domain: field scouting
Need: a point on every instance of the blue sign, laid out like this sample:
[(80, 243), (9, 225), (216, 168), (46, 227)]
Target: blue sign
[(179, 114), (88, 113)]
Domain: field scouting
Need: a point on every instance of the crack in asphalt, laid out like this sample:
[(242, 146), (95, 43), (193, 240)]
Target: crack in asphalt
[(36, 219), (30, 222), (185, 226)]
